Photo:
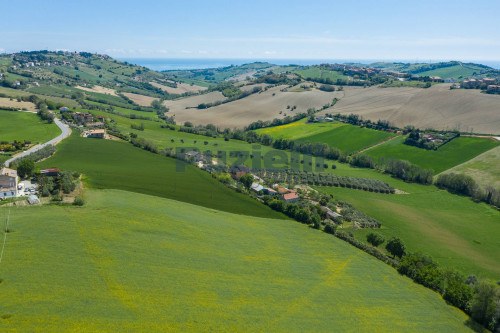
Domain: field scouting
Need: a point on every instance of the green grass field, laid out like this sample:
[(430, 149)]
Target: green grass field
[(119, 165), (349, 138), (346, 137), (483, 168), (453, 229), (25, 126), (132, 262), (317, 73), (451, 72), (455, 152)]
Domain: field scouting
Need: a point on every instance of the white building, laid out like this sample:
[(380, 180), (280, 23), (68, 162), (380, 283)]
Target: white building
[(8, 183)]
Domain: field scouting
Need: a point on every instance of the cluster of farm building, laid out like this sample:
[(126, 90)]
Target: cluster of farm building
[(94, 127)]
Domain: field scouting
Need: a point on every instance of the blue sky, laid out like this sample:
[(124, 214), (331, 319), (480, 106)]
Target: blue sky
[(410, 30)]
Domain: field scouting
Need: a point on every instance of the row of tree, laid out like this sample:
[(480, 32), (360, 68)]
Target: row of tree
[(478, 298), (466, 185), (322, 179), (398, 168)]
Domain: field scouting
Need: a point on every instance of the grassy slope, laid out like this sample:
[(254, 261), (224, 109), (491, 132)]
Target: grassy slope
[(483, 168), (317, 73), (119, 165), (346, 137), (453, 153), (25, 126), (451, 72), (453, 229), (133, 262)]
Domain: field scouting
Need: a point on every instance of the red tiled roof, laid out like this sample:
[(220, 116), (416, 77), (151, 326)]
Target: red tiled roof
[(49, 170), (290, 196)]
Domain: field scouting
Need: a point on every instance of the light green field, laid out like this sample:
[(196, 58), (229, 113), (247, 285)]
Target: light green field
[(120, 165), (298, 129), (346, 137), (451, 72), (317, 73), (131, 262), (453, 229), (25, 126), (483, 168), (455, 152)]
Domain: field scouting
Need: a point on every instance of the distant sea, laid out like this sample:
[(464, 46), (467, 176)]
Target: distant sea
[(164, 64)]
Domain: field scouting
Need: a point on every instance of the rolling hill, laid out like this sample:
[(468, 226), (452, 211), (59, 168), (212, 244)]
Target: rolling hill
[(128, 261)]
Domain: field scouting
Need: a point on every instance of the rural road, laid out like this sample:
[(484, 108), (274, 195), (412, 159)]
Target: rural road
[(66, 131)]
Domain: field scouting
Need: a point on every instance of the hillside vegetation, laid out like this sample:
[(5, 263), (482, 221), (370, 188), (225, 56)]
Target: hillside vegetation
[(455, 152), (119, 165), (127, 261), (454, 230)]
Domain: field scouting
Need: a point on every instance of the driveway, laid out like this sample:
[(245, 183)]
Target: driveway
[(66, 131)]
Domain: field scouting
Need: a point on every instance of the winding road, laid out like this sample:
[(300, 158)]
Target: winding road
[(66, 131)]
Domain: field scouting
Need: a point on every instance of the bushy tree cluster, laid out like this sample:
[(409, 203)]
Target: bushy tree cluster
[(275, 122), (65, 182), (144, 144), (36, 156), (360, 219), (457, 183), (480, 299), (405, 170)]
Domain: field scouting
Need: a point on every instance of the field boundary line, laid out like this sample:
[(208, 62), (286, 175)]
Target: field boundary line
[(375, 145), (5, 234)]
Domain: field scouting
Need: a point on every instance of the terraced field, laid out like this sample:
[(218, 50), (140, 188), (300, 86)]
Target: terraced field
[(455, 152), (127, 261)]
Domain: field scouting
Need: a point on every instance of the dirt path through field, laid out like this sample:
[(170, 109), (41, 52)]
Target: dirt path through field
[(377, 144)]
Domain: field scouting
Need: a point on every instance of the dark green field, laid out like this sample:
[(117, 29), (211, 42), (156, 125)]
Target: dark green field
[(119, 165), (453, 153), (349, 138)]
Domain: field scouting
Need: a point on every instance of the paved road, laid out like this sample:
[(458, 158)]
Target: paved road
[(66, 131)]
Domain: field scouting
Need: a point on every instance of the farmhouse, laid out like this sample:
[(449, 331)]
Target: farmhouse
[(238, 170), (49, 172), (269, 191), (493, 88), (97, 134), (257, 188), (291, 197), (330, 213), (94, 125), (83, 118), (8, 183)]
